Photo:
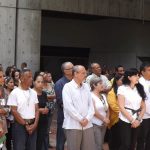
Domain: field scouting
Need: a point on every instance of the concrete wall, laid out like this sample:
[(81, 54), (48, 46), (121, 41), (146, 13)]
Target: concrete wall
[(7, 32), (23, 40), (28, 38), (30, 4), (29, 33), (135, 9), (129, 35), (112, 41)]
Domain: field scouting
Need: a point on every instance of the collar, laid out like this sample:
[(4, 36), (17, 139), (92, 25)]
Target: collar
[(96, 75), (76, 85), (66, 79), (131, 88)]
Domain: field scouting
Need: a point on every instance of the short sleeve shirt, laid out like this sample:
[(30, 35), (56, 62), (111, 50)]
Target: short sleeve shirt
[(146, 85), (132, 100), (25, 101)]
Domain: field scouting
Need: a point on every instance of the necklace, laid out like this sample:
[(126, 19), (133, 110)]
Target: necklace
[(27, 97), (103, 102)]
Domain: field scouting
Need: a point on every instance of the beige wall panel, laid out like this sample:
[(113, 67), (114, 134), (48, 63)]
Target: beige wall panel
[(31, 4), (29, 34), (8, 3), (63, 5), (7, 36)]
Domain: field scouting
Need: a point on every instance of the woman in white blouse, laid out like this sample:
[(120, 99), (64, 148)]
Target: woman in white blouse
[(101, 116), (131, 98)]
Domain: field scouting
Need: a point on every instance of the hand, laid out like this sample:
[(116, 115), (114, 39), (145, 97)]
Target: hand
[(135, 124), (45, 111), (84, 122), (106, 121), (30, 128)]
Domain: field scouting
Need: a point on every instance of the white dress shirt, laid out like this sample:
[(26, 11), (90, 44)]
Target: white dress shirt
[(146, 85), (77, 102), (132, 100)]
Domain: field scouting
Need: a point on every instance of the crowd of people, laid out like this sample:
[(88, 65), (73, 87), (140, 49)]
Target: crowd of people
[(92, 106)]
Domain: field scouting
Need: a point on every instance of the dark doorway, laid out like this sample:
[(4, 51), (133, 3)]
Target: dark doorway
[(52, 57), (144, 59)]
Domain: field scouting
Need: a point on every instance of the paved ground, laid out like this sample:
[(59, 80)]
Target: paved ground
[(53, 135)]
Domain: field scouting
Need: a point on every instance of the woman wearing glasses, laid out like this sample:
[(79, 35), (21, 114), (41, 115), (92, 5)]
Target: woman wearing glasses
[(101, 116)]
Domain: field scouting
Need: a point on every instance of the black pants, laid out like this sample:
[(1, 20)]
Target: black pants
[(22, 140), (114, 141), (9, 138), (143, 142), (128, 136)]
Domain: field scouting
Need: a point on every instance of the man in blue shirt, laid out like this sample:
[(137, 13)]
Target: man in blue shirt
[(67, 77)]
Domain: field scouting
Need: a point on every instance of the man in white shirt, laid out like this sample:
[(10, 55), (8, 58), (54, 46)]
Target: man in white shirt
[(78, 112), (24, 107), (96, 73), (143, 142)]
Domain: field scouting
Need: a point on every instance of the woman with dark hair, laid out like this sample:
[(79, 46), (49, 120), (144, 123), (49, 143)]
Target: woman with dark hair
[(42, 135), (131, 98), (114, 113), (9, 71), (16, 77)]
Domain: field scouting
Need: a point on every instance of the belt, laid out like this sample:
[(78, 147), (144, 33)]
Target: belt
[(134, 111), (29, 121)]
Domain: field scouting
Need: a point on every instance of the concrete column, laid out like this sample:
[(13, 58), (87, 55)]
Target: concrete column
[(7, 32), (28, 36)]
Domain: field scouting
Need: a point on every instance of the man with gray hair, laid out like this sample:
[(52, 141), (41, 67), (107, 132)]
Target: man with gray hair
[(78, 112), (67, 76)]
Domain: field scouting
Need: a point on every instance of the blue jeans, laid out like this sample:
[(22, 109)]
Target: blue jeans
[(22, 140), (60, 139)]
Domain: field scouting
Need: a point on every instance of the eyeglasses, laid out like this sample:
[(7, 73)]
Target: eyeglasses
[(68, 68)]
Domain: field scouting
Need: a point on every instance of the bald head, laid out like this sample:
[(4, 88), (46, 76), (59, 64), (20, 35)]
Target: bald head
[(77, 69), (79, 73), (96, 68)]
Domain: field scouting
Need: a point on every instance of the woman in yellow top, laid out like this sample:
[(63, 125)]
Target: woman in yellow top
[(114, 113)]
